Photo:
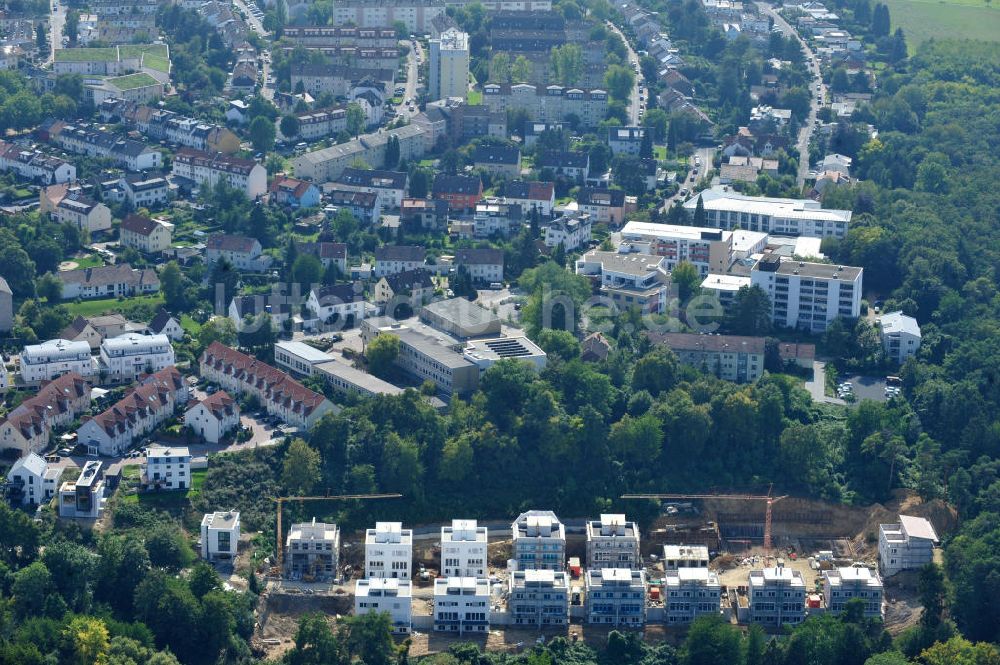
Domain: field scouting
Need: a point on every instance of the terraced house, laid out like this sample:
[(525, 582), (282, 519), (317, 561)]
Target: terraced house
[(27, 427), (202, 167)]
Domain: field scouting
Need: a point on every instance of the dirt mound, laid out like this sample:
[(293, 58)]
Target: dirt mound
[(904, 502)]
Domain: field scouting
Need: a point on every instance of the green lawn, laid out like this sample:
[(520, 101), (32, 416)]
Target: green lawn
[(190, 326), (475, 97), (157, 62), (86, 54), (132, 81), (952, 19), (89, 261), (133, 50), (660, 152), (175, 500), (108, 305)]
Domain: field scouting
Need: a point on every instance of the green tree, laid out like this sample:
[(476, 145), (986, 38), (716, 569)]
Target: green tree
[(262, 134), (559, 343), (655, 372), (369, 637), (16, 266), (710, 641), (392, 152), (32, 585), (699, 213), (289, 126), (49, 287), (220, 329), (300, 469), (381, 354), (880, 20), (959, 651), (315, 644), (566, 63), (419, 183), (73, 568), (168, 548), (619, 81), (520, 70), (41, 41), (657, 120), (687, 278), (307, 270), (172, 285), (500, 67), (72, 26), (750, 313), (646, 147), (88, 638), (356, 119)]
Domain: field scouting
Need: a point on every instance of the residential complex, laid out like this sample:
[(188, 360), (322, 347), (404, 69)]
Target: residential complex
[(709, 250), (461, 605), (388, 551), (629, 281), (551, 103), (729, 357), (538, 598), (777, 596), (907, 545), (463, 549), (613, 542), (312, 551), (202, 168), (841, 585), (726, 209), (46, 361), (539, 541), (689, 593), (28, 426), (900, 336), (128, 356), (808, 296), (616, 597)]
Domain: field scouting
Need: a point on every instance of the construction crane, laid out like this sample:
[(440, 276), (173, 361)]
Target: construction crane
[(771, 500), (329, 497)]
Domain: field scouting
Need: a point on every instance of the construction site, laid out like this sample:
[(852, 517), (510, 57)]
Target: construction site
[(808, 536)]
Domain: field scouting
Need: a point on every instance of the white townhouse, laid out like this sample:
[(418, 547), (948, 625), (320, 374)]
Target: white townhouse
[(616, 597), (213, 417), (167, 468), (907, 545), (35, 165), (900, 335), (462, 605), (689, 593), (125, 357), (777, 596), (336, 303), (220, 535), (200, 167), (392, 259), (538, 598), (841, 585), (31, 481), (388, 551), (46, 361), (149, 236), (83, 213), (463, 549), (391, 596), (146, 191), (613, 541), (485, 265), (389, 185)]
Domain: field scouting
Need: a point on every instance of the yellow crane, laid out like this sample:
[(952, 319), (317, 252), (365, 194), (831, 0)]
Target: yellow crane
[(278, 550), (771, 500)]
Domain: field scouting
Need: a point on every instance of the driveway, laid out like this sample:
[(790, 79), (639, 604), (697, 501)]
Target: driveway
[(817, 385)]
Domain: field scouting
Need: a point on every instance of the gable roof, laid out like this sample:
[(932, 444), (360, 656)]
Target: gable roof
[(409, 280), (225, 242), (564, 159), (33, 415), (400, 253), (496, 154), (479, 256), (219, 404), (152, 392), (528, 189), (372, 178), (160, 321), (457, 184), (139, 224)]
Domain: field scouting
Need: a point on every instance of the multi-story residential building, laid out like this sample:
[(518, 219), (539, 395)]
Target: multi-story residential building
[(46, 361), (150, 402), (294, 193), (710, 250), (200, 167), (391, 596), (415, 14), (808, 295), (538, 598), (164, 125), (326, 37), (726, 209), (278, 393), (146, 192), (388, 551), (460, 191), (327, 252), (841, 585), (449, 65), (613, 542), (497, 217), (574, 165), (551, 103), (500, 161), (626, 140), (629, 280), (462, 605), (908, 545), (31, 481), (464, 550), (127, 356), (248, 311), (392, 259), (328, 163), (689, 593), (570, 232), (85, 139), (119, 280), (83, 498), (415, 286), (676, 557), (366, 207), (424, 214), (539, 541), (26, 429), (729, 357), (34, 165), (777, 597), (312, 551), (339, 303), (389, 185), (900, 335), (320, 123), (484, 264), (540, 196), (84, 213), (150, 236), (167, 468), (220, 535), (616, 596), (241, 252), (605, 206), (213, 417)]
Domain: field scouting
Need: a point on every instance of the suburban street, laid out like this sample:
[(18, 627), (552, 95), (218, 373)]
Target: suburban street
[(412, 78), (57, 18), (700, 158), (816, 97), (252, 20), (636, 97)]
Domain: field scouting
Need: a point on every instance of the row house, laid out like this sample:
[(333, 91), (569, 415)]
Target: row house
[(120, 279), (213, 417), (83, 212), (323, 36), (153, 400), (150, 236), (200, 167), (34, 165), (241, 252), (164, 125), (87, 140), (281, 396), (389, 185), (328, 163), (27, 427), (46, 361), (131, 355), (392, 259)]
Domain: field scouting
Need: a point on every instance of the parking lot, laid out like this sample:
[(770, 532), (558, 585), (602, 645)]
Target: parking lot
[(866, 387)]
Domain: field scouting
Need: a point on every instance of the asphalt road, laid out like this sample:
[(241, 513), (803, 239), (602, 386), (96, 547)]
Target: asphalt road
[(636, 97), (57, 18), (816, 97), (412, 76), (700, 158)]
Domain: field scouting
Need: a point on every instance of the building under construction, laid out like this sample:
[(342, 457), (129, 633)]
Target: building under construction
[(312, 551)]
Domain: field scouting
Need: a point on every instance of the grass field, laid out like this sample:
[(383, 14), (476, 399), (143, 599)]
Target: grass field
[(475, 97), (190, 326), (170, 501), (939, 19), (133, 50), (89, 261), (107, 306)]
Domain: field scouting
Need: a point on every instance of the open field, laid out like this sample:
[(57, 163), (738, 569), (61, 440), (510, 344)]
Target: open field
[(108, 305), (954, 19)]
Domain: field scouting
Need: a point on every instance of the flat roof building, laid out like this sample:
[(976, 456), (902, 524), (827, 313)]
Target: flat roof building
[(613, 541), (312, 551), (538, 598), (484, 353), (726, 209), (462, 605), (689, 593), (461, 318), (676, 557), (392, 596), (539, 541), (298, 357), (349, 380), (616, 597), (841, 585), (388, 551), (777, 596), (220, 535), (808, 296)]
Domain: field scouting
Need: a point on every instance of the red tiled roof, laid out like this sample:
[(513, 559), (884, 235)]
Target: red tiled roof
[(151, 391), (32, 414), (219, 404)]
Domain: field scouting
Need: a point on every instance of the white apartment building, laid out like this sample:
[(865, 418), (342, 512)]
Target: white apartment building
[(900, 335), (167, 468), (200, 167), (709, 250), (125, 357), (570, 232), (388, 551), (538, 598), (908, 545), (312, 550), (539, 541), (390, 186), (46, 361), (777, 596), (146, 191), (449, 65), (393, 596), (630, 281), (808, 296), (415, 14), (83, 213), (336, 303), (241, 252), (727, 209), (220, 535), (613, 542), (150, 236), (463, 550), (83, 497), (551, 103), (676, 557), (213, 417), (842, 585), (31, 481), (689, 593), (392, 259), (616, 597), (484, 264), (497, 217), (462, 605)]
